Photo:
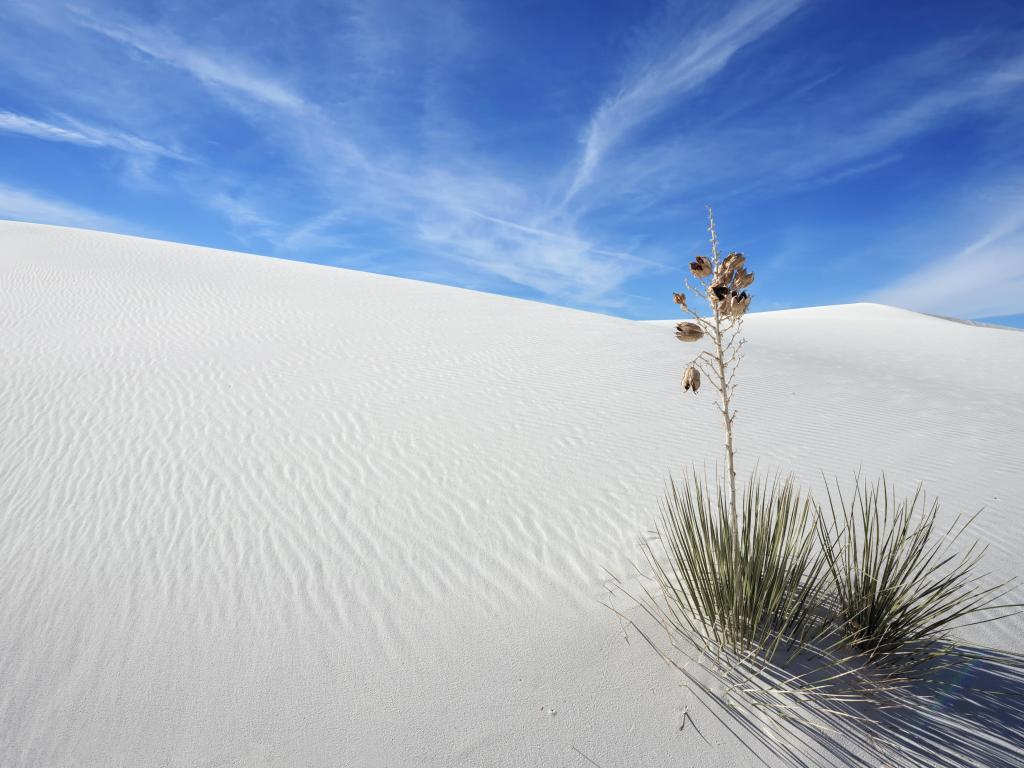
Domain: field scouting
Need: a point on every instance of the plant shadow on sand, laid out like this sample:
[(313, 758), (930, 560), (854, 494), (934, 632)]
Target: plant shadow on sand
[(968, 714)]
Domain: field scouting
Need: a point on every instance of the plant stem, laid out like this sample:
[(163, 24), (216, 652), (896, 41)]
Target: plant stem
[(730, 461), (723, 389)]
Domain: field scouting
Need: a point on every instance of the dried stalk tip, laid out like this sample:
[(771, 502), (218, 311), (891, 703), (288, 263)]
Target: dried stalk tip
[(680, 299), (689, 332), (701, 266), (691, 379)]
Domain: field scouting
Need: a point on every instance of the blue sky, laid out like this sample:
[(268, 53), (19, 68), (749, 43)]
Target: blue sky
[(559, 151)]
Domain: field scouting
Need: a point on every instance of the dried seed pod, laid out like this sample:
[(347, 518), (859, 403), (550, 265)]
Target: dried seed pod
[(739, 304), (689, 332), (680, 299), (720, 298), (734, 261), (691, 379), (718, 292), (743, 279), (701, 266), (723, 277)]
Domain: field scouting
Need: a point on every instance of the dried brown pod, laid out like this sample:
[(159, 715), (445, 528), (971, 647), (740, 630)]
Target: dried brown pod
[(689, 332), (691, 379), (718, 293), (734, 260), (743, 279), (680, 299), (739, 304), (723, 276), (701, 266)]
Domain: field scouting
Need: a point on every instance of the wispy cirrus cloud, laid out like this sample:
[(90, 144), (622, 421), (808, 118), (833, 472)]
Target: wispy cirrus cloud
[(564, 264), (77, 132), (779, 145), (662, 81), (828, 146), (387, 184), (248, 221), (28, 205), (215, 71), (984, 278)]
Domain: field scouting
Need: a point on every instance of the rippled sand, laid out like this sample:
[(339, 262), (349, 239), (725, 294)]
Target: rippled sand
[(256, 512)]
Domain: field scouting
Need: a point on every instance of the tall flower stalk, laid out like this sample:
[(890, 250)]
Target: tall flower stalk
[(721, 283)]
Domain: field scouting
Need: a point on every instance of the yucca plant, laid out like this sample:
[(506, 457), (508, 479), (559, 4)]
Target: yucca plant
[(771, 600), (738, 572), (899, 585), (720, 283), (803, 616)]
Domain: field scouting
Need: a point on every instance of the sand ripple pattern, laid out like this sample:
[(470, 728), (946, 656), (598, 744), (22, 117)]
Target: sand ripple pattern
[(255, 512)]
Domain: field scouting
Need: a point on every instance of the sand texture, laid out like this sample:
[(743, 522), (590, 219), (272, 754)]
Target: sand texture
[(263, 513)]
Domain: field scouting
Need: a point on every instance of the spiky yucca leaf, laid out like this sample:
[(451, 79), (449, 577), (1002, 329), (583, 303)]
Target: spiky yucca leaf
[(746, 601), (899, 586)]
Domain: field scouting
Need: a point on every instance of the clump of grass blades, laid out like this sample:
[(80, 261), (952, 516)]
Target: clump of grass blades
[(746, 601), (899, 586)]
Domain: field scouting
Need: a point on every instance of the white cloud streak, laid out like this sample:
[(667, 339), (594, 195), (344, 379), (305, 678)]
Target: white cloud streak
[(432, 202), (26, 205), (983, 279), (696, 59), (879, 133), (564, 266), (246, 220), (862, 128), (85, 135), (219, 71)]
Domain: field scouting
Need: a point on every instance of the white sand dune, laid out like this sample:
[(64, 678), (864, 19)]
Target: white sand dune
[(264, 513)]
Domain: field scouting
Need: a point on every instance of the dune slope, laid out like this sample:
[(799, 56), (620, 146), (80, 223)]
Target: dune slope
[(257, 512)]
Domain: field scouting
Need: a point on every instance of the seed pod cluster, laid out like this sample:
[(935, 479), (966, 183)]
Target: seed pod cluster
[(726, 292)]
